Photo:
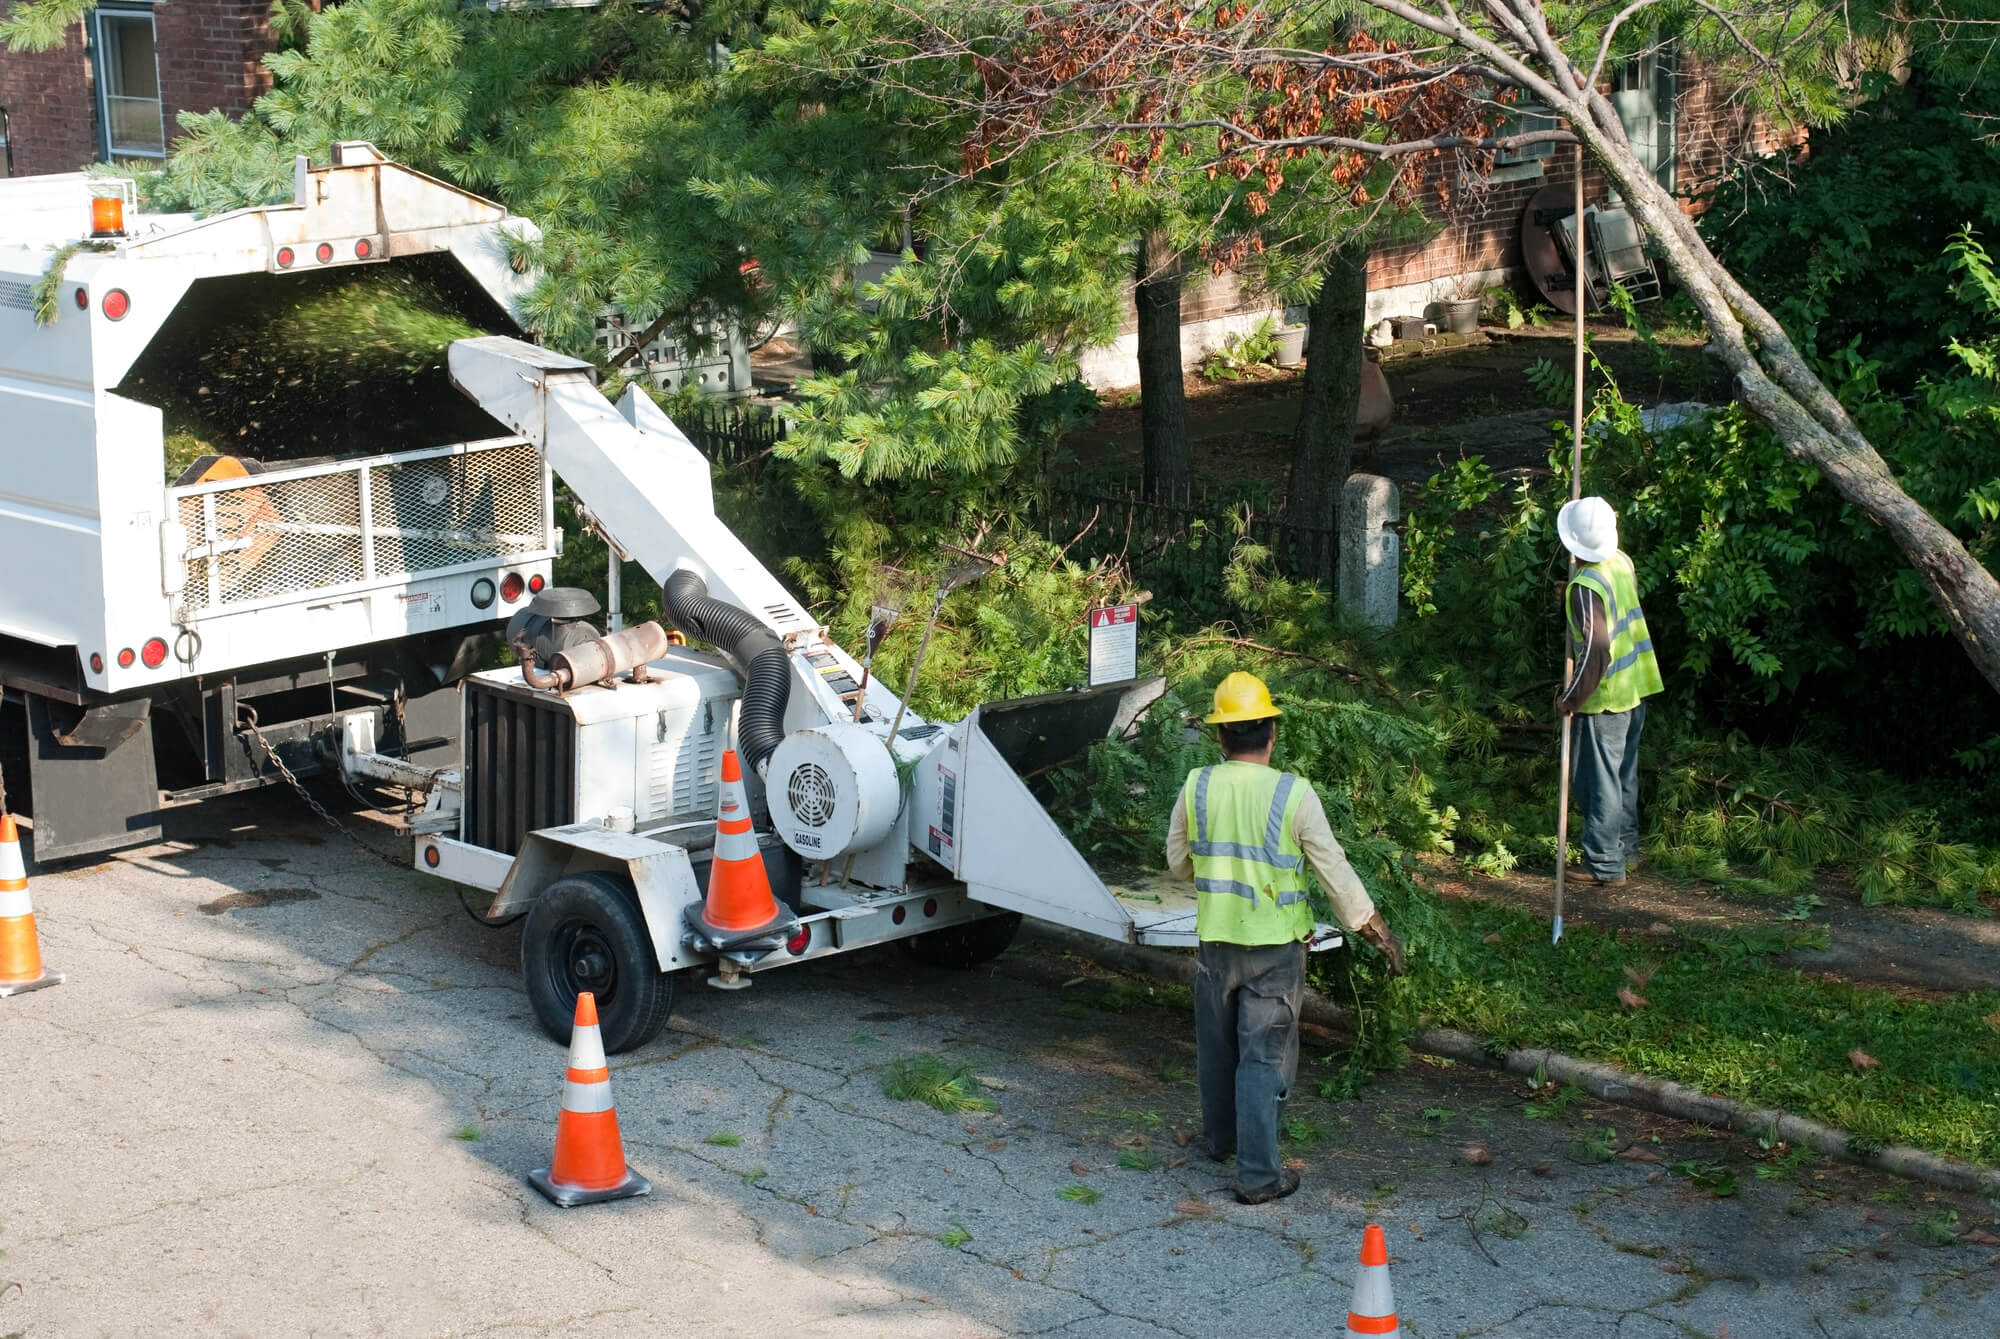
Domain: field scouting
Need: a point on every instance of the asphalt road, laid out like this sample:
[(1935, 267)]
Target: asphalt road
[(290, 1091)]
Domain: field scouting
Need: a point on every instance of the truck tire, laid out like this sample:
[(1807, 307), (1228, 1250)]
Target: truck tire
[(586, 932), (964, 946)]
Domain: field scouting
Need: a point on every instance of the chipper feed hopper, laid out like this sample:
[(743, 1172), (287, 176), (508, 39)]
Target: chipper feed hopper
[(587, 796)]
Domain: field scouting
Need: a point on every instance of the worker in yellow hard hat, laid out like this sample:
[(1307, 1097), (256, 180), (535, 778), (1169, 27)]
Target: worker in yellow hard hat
[(1246, 833)]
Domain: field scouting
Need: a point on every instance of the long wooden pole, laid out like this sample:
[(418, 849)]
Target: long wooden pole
[(1582, 291)]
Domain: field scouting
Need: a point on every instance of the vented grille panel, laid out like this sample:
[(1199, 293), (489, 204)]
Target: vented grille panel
[(519, 769), (264, 539), (812, 795), (684, 769)]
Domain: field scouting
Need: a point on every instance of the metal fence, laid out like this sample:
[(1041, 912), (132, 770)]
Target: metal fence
[(1179, 543), (732, 434)]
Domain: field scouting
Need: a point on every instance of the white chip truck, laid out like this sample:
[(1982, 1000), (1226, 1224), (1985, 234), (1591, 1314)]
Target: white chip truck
[(161, 638)]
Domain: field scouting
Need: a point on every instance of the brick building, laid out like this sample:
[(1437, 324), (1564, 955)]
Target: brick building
[(1681, 123), (114, 89)]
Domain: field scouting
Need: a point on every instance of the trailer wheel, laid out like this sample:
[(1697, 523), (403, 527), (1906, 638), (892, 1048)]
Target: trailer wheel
[(585, 932), (968, 945)]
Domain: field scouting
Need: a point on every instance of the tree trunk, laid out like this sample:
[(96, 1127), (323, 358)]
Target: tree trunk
[(1323, 442), (1167, 451), (1775, 382)]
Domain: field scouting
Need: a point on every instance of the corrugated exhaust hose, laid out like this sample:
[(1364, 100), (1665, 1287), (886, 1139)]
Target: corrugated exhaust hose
[(757, 653)]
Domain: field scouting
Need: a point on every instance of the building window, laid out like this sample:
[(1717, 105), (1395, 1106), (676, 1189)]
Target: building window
[(129, 114), (1524, 161), (1643, 89)]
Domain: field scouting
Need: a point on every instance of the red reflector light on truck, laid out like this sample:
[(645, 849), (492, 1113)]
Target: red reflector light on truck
[(800, 938), (285, 258), (535, 583), (96, 662), (153, 653), (82, 300), (363, 249), (125, 658), (116, 304), (511, 586), (323, 252), (431, 856)]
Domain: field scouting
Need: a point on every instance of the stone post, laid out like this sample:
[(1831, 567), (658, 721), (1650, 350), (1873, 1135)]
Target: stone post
[(1369, 575)]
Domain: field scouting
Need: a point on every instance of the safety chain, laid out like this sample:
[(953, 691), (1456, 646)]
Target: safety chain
[(312, 803), (347, 832)]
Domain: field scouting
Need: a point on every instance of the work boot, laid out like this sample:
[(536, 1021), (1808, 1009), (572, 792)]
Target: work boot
[(1596, 881), (1287, 1183)]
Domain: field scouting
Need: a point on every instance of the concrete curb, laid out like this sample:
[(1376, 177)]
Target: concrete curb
[(1606, 1082)]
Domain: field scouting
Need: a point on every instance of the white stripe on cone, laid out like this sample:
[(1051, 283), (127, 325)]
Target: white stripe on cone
[(1373, 1298), (10, 862), (586, 1047), (14, 902)]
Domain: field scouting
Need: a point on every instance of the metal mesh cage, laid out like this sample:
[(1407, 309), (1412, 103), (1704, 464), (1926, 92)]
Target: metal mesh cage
[(375, 521)]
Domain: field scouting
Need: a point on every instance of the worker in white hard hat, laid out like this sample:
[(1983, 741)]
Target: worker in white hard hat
[(1246, 833), (1616, 671)]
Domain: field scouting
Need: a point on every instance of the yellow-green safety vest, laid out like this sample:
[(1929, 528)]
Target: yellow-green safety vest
[(1633, 672), (1249, 872)]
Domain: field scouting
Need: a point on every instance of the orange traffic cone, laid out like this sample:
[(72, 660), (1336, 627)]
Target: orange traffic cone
[(1373, 1310), (20, 952), (740, 903), (589, 1165)]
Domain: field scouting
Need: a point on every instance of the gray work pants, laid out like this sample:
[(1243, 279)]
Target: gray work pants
[(1605, 766), (1246, 1047)]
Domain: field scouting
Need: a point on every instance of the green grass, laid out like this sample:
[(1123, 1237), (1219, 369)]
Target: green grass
[(927, 1079), (724, 1139), (1137, 1160), (467, 1133), (1723, 1019), (1080, 1194), (954, 1236)]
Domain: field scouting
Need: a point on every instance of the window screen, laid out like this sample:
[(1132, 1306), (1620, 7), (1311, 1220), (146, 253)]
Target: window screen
[(128, 84)]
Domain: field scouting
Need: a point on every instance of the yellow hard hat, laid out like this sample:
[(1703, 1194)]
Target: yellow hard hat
[(1241, 697)]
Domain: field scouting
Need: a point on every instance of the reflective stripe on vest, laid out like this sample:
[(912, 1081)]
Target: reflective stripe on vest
[(1274, 830), (1247, 892), (1632, 673)]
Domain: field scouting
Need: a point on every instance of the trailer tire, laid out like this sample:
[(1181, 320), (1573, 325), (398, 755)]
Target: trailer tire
[(960, 947), (586, 932)]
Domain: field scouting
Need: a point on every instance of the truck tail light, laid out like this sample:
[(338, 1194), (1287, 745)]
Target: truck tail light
[(363, 249), (323, 252), (97, 662), (801, 937), (286, 257), (116, 304), (126, 658), (511, 586), (536, 582), (153, 653)]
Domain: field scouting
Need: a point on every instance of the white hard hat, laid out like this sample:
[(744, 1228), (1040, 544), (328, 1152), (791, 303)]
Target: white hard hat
[(1588, 528)]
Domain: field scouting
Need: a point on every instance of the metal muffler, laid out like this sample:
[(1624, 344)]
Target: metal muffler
[(597, 660)]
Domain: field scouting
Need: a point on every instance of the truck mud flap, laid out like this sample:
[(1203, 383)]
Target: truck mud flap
[(92, 776)]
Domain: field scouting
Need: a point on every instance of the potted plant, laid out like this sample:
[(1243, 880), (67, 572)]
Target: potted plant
[(1461, 310), (1291, 339)]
